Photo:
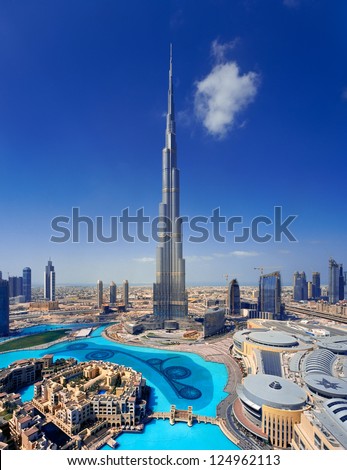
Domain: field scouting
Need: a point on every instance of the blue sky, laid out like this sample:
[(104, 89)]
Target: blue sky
[(261, 105)]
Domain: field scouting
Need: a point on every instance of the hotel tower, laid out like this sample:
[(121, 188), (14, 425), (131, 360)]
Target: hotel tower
[(169, 291)]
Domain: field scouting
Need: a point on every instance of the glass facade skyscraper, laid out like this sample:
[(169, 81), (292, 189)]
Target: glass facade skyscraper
[(126, 293), (100, 293), (316, 289), (341, 283), (27, 284), (169, 291), (4, 308), (15, 286), (234, 302), (49, 282), (113, 293), (334, 274), (300, 286), (269, 300)]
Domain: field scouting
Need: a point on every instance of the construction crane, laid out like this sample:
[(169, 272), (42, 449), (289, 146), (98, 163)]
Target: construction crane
[(261, 268)]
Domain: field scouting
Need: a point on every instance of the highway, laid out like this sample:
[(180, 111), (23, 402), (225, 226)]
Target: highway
[(313, 313)]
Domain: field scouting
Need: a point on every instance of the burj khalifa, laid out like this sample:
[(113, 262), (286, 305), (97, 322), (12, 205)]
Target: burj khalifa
[(169, 291)]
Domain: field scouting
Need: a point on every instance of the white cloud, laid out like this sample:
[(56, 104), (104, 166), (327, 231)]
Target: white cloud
[(198, 258), (221, 95), (243, 254), (219, 50), (145, 259)]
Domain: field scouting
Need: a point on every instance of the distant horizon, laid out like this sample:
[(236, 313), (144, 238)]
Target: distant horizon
[(188, 285)]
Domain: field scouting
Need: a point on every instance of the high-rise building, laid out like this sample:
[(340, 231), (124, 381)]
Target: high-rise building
[(310, 290), (0, 275), (100, 293), (113, 293), (49, 282), (15, 286), (234, 301), (269, 300), (316, 289), (345, 276), (52, 285), (341, 283), (334, 274), (169, 291), (27, 284), (300, 286), (4, 308), (126, 293)]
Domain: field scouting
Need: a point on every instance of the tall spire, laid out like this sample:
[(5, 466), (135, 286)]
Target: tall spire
[(169, 293), (170, 120)]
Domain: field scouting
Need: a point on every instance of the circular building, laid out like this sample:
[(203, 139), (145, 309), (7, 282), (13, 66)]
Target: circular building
[(335, 344), (326, 385), (273, 338), (270, 405)]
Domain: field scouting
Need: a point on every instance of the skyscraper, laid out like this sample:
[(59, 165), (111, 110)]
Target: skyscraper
[(4, 308), (334, 273), (49, 282), (169, 291), (269, 300), (310, 290), (341, 283), (126, 293), (234, 303), (300, 286), (100, 293), (27, 284), (113, 293), (316, 290), (15, 286)]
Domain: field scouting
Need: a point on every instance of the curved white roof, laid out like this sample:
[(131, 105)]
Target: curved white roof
[(337, 409), (320, 361), (271, 390), (326, 385), (273, 338), (336, 344)]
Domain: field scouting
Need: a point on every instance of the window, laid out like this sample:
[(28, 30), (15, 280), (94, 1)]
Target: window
[(317, 441), (296, 438)]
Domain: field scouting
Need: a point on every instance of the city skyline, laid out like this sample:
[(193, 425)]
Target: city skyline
[(73, 99)]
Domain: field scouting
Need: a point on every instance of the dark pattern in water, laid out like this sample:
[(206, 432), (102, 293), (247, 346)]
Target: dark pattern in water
[(100, 355), (174, 373)]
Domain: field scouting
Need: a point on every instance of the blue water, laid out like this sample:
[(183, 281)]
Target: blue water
[(30, 330), (27, 393), (175, 378), (161, 435)]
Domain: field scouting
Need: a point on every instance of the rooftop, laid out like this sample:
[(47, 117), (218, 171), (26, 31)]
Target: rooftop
[(271, 390)]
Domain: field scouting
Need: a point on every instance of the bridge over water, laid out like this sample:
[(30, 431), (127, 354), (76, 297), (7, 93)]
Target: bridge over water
[(186, 416)]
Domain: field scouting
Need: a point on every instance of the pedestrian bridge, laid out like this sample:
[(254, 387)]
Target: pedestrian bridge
[(186, 416)]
